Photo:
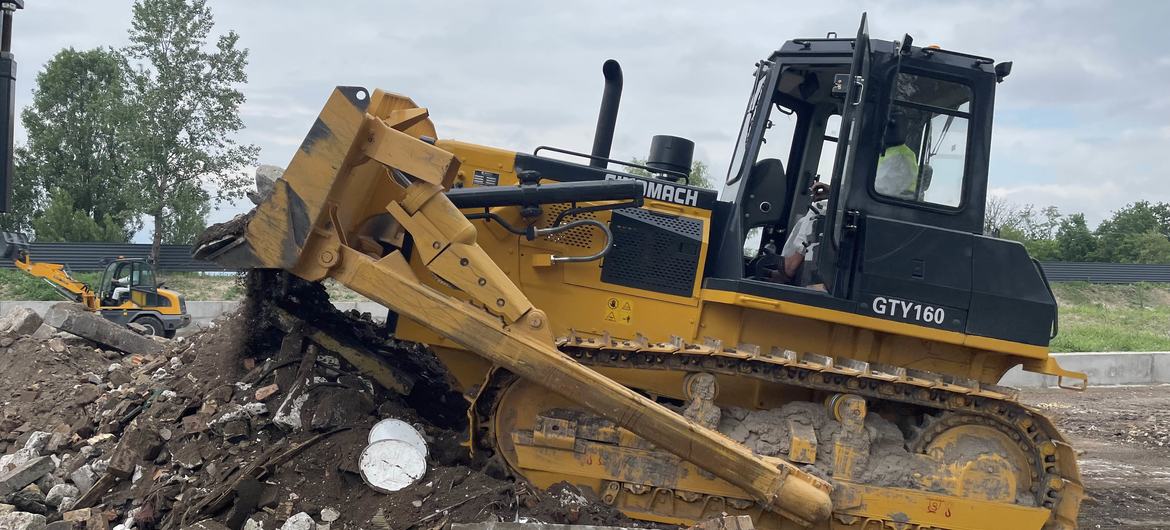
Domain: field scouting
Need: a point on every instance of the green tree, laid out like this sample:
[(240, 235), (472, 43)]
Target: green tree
[(1138, 218), (77, 146), (1150, 247), (700, 174), (27, 196), (186, 97), (61, 220), (1137, 233), (1074, 240)]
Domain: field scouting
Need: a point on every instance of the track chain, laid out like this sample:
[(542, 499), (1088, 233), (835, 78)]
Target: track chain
[(987, 404)]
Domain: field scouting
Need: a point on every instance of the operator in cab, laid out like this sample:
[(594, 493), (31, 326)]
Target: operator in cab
[(897, 169), (799, 246)]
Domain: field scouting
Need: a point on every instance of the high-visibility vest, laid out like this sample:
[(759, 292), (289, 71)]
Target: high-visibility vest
[(897, 172)]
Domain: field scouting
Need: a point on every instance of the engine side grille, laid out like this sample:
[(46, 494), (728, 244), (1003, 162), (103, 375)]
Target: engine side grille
[(653, 251)]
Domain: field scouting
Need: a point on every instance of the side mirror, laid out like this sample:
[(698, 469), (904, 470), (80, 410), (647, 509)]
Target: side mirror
[(160, 285), (1002, 70), (907, 42)]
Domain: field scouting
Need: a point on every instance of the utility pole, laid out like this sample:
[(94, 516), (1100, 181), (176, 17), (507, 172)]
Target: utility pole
[(7, 100)]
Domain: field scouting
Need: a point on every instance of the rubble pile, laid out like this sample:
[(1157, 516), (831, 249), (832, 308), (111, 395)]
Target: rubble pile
[(257, 422)]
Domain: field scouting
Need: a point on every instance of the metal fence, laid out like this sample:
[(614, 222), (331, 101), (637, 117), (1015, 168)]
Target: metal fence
[(177, 258), (1066, 271), (89, 256)]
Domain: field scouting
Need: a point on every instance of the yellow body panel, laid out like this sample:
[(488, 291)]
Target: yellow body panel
[(731, 317)]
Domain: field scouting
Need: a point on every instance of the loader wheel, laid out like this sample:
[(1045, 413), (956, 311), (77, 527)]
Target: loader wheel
[(153, 325)]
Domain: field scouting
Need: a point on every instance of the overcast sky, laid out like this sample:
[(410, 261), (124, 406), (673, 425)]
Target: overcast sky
[(1073, 127)]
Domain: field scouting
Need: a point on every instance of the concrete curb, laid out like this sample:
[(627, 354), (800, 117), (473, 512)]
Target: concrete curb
[(1102, 368)]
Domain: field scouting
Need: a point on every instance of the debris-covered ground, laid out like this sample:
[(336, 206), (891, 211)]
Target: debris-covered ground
[(258, 422), (1122, 439)]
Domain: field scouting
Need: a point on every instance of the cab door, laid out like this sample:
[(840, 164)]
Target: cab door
[(143, 288), (853, 116)]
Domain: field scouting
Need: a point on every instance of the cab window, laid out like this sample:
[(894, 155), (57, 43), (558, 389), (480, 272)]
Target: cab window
[(145, 276), (924, 146)]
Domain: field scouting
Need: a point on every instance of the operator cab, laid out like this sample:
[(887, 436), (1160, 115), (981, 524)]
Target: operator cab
[(129, 280), (901, 135)]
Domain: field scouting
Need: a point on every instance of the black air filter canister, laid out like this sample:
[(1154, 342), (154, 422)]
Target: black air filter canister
[(671, 153)]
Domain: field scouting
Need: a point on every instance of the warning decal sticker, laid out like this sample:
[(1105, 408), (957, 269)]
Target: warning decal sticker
[(619, 310)]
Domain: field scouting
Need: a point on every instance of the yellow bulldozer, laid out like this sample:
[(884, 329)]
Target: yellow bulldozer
[(657, 344)]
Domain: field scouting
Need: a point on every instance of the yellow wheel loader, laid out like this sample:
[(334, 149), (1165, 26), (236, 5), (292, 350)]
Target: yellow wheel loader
[(658, 344), (128, 292)]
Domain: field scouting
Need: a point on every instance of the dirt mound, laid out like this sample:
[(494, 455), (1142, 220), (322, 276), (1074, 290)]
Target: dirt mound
[(257, 422)]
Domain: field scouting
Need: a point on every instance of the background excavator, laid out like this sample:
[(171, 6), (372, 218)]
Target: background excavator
[(628, 334), (127, 293)]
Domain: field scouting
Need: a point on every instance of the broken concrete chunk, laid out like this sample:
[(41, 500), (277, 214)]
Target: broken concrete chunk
[(266, 176), (36, 443), (24, 475), (300, 521), (74, 318), (329, 515), (59, 492), (20, 321), (84, 477), (22, 521), (56, 345), (118, 378)]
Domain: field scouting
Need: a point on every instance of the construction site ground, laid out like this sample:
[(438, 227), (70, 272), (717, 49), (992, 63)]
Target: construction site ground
[(1122, 437), (214, 427)]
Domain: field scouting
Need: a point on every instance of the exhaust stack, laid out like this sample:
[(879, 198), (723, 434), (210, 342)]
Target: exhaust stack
[(607, 117)]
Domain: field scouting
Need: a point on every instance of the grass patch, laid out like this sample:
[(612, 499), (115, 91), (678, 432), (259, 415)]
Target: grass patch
[(1092, 317), (19, 285), (1112, 317)]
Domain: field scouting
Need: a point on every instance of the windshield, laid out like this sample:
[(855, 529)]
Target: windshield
[(746, 128), (925, 141)]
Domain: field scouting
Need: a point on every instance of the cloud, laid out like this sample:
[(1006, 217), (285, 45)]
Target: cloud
[(1079, 120)]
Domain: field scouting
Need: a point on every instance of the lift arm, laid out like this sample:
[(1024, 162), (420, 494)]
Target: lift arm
[(57, 276)]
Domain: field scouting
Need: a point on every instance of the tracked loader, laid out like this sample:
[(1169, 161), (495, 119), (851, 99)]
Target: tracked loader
[(654, 342)]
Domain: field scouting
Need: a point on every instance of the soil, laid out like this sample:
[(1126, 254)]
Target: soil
[(1122, 439)]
